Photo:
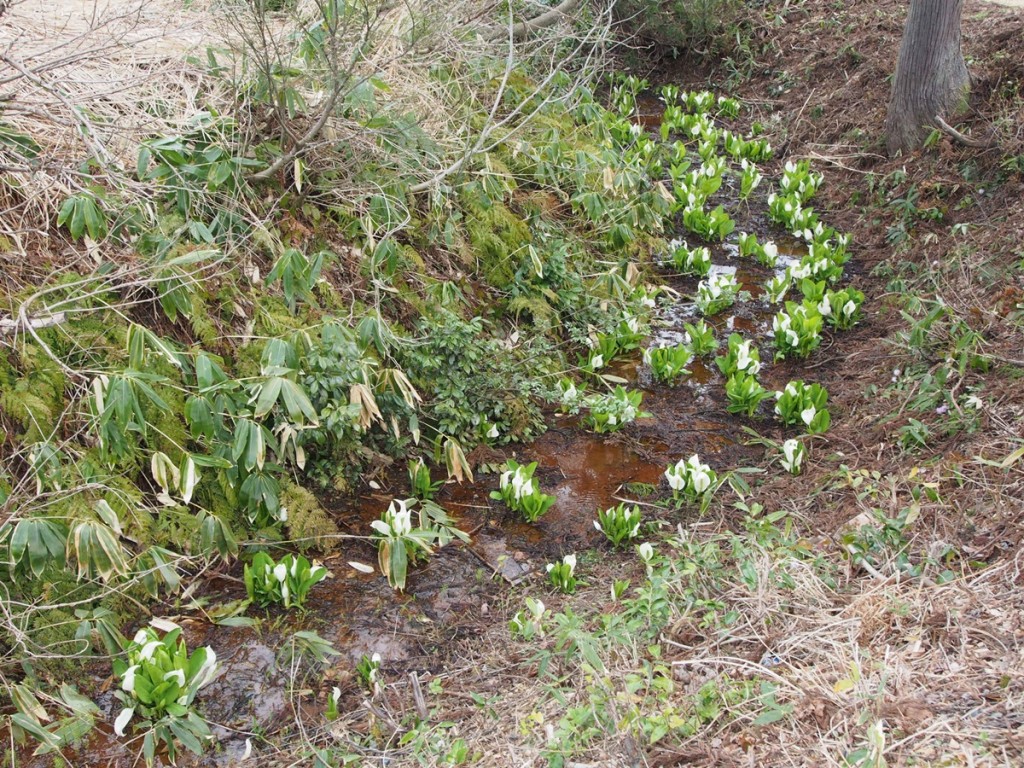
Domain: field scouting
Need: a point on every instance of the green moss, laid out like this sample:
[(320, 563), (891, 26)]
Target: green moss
[(33, 396), (203, 327), (308, 522), (496, 235), (167, 431), (174, 528), (52, 631), (247, 360), (272, 318), (544, 316)]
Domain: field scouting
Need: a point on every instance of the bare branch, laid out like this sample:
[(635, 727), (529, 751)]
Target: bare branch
[(963, 138), (10, 325), (546, 19)]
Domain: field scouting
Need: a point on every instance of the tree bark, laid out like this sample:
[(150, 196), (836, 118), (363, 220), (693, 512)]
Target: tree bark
[(931, 75)]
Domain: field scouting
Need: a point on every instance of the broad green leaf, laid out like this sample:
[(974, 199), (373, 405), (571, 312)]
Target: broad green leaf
[(98, 552), (36, 542), (26, 702), (299, 408), (215, 537), (269, 391), (77, 703), (106, 513), (199, 417), (769, 717), (47, 740)]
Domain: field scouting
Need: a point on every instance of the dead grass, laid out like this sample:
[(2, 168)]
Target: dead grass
[(89, 81)]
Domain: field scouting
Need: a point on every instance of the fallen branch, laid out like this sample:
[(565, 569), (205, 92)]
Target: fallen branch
[(962, 138), (10, 325), (545, 19)]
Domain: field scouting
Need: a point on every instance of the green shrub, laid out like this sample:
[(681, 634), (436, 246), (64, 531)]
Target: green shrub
[(469, 378), (688, 25)]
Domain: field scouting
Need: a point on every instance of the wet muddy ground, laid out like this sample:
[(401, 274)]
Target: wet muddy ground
[(450, 596)]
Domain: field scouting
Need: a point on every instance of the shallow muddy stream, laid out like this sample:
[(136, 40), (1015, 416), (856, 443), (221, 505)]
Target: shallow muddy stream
[(450, 596)]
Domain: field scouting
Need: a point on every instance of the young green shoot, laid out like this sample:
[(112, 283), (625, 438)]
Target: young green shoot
[(745, 393), (700, 338), (611, 412), (668, 363), (793, 454), (691, 480), (284, 583), (563, 575), (741, 357), (529, 623), (158, 681), (717, 293), (619, 524), (804, 404), (797, 331), (520, 492)]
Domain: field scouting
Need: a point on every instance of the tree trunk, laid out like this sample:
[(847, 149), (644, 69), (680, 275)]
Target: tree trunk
[(931, 75)]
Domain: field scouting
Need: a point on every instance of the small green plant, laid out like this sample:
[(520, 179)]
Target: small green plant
[(804, 404), (797, 331), (285, 583), (749, 180), (529, 624), (814, 292), (788, 211), (298, 274), (332, 704), (618, 589), (398, 544), (419, 479), (159, 681), (562, 575), (570, 398), (619, 524), (714, 225), (747, 244), (594, 361), (628, 333), (745, 393), (368, 672), (821, 263), (799, 181), (603, 351), (647, 555), (692, 261), (700, 338), (741, 357), (728, 107), (766, 254), (611, 412), (717, 293), (670, 95), (668, 363), (914, 435), (520, 491), (775, 289), (793, 454), (691, 480), (841, 309), (83, 215)]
